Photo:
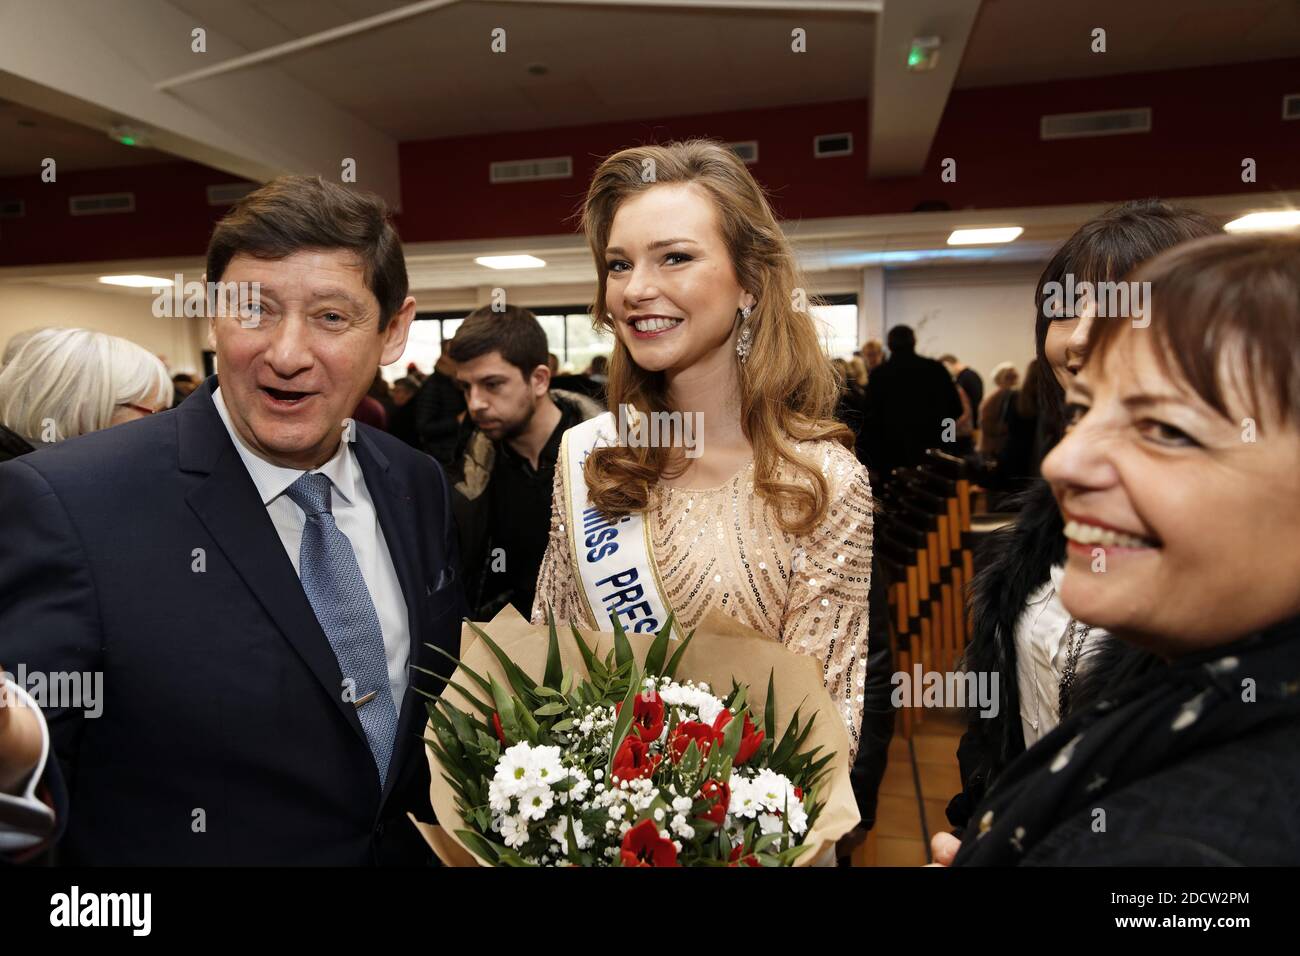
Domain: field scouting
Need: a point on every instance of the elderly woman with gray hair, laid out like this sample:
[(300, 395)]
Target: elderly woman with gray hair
[(60, 383)]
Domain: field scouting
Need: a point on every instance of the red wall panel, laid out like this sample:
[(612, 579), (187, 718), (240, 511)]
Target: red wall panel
[(1206, 121)]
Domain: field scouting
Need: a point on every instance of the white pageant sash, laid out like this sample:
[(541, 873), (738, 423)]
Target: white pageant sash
[(614, 560)]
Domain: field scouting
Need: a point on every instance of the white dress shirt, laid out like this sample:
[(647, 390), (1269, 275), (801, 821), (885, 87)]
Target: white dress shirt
[(354, 513), (1041, 654)]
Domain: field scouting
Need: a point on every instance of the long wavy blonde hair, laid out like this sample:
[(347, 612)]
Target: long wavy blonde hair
[(787, 387)]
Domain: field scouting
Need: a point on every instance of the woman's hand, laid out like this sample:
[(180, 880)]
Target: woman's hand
[(20, 738), (943, 848)]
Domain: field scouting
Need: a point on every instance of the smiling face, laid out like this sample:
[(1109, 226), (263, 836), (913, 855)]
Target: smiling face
[(671, 288), (1196, 523), (291, 377), (1066, 345)]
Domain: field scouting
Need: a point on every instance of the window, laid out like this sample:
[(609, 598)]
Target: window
[(837, 327), (569, 334), (553, 326), (423, 346), (584, 343)]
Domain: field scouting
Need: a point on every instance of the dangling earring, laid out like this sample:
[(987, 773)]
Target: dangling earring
[(746, 340)]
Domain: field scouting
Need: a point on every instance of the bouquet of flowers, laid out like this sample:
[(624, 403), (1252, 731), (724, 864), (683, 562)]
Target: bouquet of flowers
[(634, 750)]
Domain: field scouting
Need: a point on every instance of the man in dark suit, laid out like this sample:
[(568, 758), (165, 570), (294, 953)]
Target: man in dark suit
[(255, 577), (912, 405)]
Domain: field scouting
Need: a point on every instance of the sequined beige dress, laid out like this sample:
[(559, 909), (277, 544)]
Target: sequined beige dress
[(722, 547)]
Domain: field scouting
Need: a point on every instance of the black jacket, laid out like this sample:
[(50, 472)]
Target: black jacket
[(473, 503), (12, 445), (1180, 765), (144, 552), (437, 404), (909, 399), (1014, 562)]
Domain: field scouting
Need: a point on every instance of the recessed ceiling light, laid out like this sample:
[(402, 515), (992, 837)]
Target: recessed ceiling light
[(1274, 220), (138, 282), (974, 237), (510, 262)]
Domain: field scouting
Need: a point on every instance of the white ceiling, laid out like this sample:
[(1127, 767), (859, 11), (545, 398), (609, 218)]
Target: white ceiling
[(1032, 41), (435, 75), (28, 136)]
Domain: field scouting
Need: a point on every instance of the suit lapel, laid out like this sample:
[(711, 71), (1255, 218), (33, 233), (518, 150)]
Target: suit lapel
[(394, 507), (230, 508)]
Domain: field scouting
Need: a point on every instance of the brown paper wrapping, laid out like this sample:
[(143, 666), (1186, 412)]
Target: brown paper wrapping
[(722, 650)]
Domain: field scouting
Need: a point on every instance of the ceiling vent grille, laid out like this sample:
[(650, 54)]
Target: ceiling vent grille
[(747, 151), (833, 144), (1105, 123), (227, 194), (101, 204), (531, 170)]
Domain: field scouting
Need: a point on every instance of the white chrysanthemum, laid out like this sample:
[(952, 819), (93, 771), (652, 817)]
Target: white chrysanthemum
[(687, 697), (709, 708), (767, 797), (514, 830), (560, 834), (774, 790), (512, 770), (535, 801), (544, 763), (744, 801), (498, 798)]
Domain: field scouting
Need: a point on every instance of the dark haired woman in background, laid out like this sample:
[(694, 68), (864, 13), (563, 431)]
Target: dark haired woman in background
[(1182, 465), (1020, 630)]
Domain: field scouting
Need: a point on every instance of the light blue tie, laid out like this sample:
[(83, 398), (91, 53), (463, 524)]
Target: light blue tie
[(332, 580)]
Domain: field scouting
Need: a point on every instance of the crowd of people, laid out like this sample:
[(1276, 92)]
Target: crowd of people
[(1172, 448)]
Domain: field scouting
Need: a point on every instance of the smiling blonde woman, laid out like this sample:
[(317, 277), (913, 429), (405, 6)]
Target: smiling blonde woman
[(769, 520)]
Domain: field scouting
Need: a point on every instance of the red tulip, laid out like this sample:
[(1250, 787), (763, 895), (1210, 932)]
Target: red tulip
[(647, 715), (738, 860), (719, 797), (643, 846), (496, 725), (632, 760), (750, 739), (688, 730)]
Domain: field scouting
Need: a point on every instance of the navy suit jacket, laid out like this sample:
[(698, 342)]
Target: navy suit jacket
[(144, 552)]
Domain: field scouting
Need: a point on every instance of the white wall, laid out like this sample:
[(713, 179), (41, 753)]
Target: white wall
[(127, 314), (982, 314)]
